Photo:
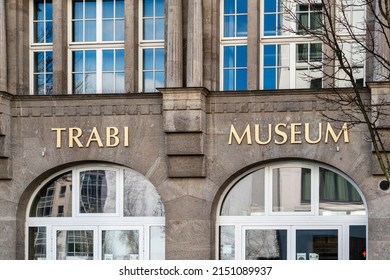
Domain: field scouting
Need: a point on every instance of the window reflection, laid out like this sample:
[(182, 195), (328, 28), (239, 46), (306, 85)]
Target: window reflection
[(227, 242), (317, 244), (37, 243), (263, 244), (157, 243), (153, 69), (56, 193), (235, 67), (43, 21), (74, 245), (276, 66), (235, 18), (120, 245), (98, 191)]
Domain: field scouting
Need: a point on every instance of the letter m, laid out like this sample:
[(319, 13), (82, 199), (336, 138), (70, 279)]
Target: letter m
[(330, 131), (247, 134)]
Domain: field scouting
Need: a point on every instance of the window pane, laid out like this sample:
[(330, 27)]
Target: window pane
[(140, 197), (90, 9), (148, 82), (108, 9), (228, 57), (159, 80), (49, 84), (97, 190), (241, 83), (270, 25), (39, 82), (90, 31), (47, 199), (49, 32), (227, 243), (148, 59), (291, 189), (49, 61), (229, 26), (78, 31), (39, 32), (39, 9), (39, 62), (317, 244), (270, 55), (159, 59), (119, 30), (157, 243), (90, 83), (242, 7), (265, 244), (120, 82), (242, 26), (270, 6), (246, 198), (269, 78), (228, 79), (74, 245), (78, 9), (108, 30), (49, 10), (90, 61), (78, 61), (159, 8), (159, 29), (148, 8), (120, 245), (119, 9), (37, 243), (242, 57), (108, 60), (357, 243), (229, 6), (148, 29), (108, 82), (78, 83), (120, 60)]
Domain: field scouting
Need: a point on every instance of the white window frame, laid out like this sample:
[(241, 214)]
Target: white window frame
[(99, 45), (292, 221), (146, 44)]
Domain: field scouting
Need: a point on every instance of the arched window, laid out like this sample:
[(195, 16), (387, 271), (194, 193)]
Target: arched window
[(294, 210), (96, 212)]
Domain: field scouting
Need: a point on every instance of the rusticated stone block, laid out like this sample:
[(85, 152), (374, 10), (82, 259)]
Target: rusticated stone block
[(5, 168), (185, 143), (184, 121), (186, 166)]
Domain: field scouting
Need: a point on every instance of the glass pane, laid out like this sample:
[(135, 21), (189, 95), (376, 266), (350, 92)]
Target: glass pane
[(49, 32), (108, 30), (265, 244), (49, 61), (49, 10), (242, 57), (148, 8), (78, 83), (39, 9), (241, 83), (148, 29), (78, 9), (227, 250), (157, 243), (39, 81), (90, 83), (90, 31), (246, 198), (108, 82), (242, 26), (49, 84), (229, 6), (270, 25), (228, 79), (270, 6), (78, 31), (229, 26), (140, 196), (108, 60), (148, 82), (74, 245), (148, 59), (120, 245), (242, 7), (37, 243), (90, 9), (159, 29), (120, 83), (39, 32), (270, 55), (228, 57), (77, 61), (47, 200), (108, 9), (317, 244), (120, 60), (291, 189), (357, 243), (90, 61), (97, 191), (269, 78), (119, 9), (160, 8), (159, 80), (338, 196), (119, 30), (159, 59), (39, 62)]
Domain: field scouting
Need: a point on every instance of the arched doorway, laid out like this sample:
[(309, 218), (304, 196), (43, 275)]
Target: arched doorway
[(95, 212), (292, 210)]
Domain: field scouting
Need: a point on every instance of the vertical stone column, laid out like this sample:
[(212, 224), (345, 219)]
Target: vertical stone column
[(60, 47), (3, 48), (253, 45), (5, 133), (174, 43), (195, 44)]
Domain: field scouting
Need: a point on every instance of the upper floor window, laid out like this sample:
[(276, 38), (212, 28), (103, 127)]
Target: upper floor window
[(235, 17), (41, 47), (152, 45), (97, 46)]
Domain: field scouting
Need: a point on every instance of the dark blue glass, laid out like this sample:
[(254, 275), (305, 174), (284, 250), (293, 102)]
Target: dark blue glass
[(148, 59), (90, 61), (160, 8), (49, 61), (49, 32), (39, 32), (120, 60), (39, 9), (90, 9), (78, 60), (108, 60), (242, 26), (270, 25), (120, 9), (241, 82), (228, 61), (39, 62), (39, 84), (229, 7), (49, 10), (242, 56), (229, 26), (108, 9), (49, 84), (148, 8), (269, 78), (159, 59), (228, 79), (242, 6), (78, 9), (270, 6), (270, 55)]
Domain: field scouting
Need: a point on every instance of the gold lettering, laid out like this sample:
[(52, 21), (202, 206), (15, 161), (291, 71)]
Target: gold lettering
[(112, 134), (126, 136), (75, 137), (281, 133), (239, 139), (294, 133), (330, 131), (307, 134), (94, 137), (257, 134), (58, 136)]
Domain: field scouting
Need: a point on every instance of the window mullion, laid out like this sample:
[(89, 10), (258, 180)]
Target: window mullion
[(99, 70)]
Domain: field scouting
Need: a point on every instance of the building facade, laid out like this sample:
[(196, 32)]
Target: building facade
[(152, 129)]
